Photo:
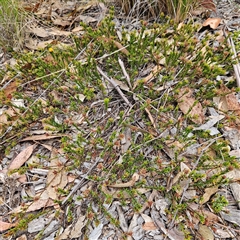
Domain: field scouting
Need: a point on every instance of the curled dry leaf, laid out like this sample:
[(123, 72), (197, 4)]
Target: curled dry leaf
[(212, 22), (65, 234), (208, 193), (185, 171), (208, 4), (134, 179)]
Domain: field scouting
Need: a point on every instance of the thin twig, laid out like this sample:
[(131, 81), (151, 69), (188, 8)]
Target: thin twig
[(78, 185), (112, 53), (125, 72), (110, 80), (236, 67)]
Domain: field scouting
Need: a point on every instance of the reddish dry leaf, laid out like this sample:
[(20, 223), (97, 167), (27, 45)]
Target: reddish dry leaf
[(153, 73), (22, 237), (21, 158), (56, 95), (10, 88), (212, 22), (32, 8), (208, 4), (149, 226), (220, 36), (232, 102), (5, 226), (49, 147), (188, 106), (71, 178), (4, 117), (209, 216), (21, 178)]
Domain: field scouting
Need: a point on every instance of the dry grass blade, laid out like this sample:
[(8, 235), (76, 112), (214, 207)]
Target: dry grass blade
[(11, 24), (177, 9), (142, 8)]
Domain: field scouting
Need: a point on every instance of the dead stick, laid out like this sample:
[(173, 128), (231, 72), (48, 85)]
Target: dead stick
[(78, 185), (236, 67), (115, 86), (124, 72)]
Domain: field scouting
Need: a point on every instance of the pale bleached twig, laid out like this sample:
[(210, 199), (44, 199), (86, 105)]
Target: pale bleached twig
[(236, 67), (110, 80), (125, 72), (78, 185)]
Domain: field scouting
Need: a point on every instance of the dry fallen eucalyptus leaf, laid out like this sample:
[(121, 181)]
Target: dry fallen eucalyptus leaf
[(187, 104), (5, 225), (208, 193), (149, 224), (205, 232), (130, 183), (8, 91), (153, 73), (22, 157), (212, 22), (41, 137), (34, 206), (57, 177)]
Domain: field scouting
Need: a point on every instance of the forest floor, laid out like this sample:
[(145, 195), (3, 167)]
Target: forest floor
[(117, 127)]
